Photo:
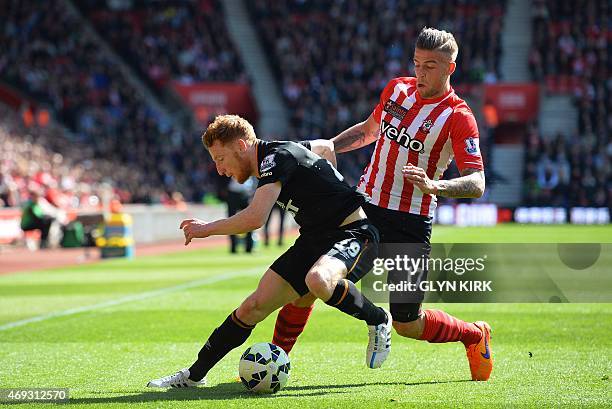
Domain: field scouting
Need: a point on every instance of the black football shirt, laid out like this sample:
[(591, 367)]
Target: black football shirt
[(312, 190)]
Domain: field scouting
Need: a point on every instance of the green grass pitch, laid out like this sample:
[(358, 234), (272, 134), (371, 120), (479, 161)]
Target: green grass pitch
[(104, 330)]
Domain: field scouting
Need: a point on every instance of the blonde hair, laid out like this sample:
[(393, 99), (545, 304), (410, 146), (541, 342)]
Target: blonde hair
[(438, 40), (226, 128)]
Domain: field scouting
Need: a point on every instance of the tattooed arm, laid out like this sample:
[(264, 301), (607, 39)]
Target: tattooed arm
[(357, 136), (471, 183)]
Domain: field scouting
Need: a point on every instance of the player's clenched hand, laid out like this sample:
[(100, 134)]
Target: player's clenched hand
[(419, 178), (193, 228)]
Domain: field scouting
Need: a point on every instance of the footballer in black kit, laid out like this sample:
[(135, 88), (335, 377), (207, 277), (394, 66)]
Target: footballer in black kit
[(313, 191), (319, 198), (336, 245)]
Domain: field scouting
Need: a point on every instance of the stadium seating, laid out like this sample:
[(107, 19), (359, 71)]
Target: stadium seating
[(571, 49), (334, 59), (183, 40), (566, 173), (70, 179), (68, 71)]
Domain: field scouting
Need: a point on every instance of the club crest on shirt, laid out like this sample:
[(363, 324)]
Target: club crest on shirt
[(396, 110), (267, 163), (471, 146), (426, 126)]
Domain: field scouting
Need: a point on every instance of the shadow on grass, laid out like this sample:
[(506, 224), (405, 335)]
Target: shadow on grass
[(364, 384), (222, 391), (227, 391)]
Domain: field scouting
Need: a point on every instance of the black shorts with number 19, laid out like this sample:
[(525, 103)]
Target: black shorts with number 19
[(403, 228), (355, 244)]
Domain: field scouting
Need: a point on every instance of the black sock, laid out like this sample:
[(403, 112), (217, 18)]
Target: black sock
[(348, 299), (229, 335)]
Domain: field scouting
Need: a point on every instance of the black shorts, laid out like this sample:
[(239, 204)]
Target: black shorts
[(355, 244), (406, 228)]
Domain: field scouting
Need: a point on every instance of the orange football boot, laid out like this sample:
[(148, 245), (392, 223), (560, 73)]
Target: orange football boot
[(479, 354)]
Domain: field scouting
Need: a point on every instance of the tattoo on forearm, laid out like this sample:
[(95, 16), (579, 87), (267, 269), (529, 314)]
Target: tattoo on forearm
[(471, 185), (349, 139)]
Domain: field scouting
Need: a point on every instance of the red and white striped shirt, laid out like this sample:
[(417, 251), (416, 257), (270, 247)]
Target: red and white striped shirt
[(427, 133)]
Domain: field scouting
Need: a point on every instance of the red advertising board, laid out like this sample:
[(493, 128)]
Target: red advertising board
[(10, 225), (514, 102), (212, 98)]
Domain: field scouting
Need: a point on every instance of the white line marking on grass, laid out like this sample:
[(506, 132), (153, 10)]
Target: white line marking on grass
[(134, 297)]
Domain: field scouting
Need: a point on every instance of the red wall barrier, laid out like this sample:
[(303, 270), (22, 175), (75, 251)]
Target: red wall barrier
[(210, 99)]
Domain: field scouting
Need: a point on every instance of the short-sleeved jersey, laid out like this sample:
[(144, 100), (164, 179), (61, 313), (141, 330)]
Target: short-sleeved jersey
[(312, 190), (427, 133)]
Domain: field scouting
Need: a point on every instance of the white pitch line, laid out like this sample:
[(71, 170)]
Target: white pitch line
[(131, 298)]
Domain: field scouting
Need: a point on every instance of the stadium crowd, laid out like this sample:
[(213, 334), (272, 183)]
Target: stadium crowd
[(567, 172), (68, 71), (71, 179), (169, 39), (334, 58), (571, 49)]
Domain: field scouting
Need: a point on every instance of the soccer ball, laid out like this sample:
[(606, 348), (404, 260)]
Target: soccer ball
[(264, 368)]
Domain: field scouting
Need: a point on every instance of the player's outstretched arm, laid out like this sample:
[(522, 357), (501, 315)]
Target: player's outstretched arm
[(249, 219), (357, 136), (325, 149), (471, 183)]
